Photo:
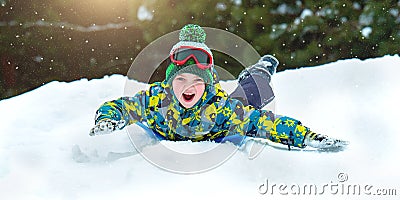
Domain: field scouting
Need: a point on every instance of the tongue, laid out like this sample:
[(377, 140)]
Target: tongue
[(188, 97)]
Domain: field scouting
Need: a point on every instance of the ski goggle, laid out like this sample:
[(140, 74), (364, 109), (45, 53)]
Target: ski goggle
[(182, 54)]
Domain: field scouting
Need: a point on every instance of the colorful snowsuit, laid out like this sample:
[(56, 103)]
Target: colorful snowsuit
[(213, 118)]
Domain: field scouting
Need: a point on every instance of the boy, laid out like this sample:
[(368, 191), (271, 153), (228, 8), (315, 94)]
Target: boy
[(191, 105)]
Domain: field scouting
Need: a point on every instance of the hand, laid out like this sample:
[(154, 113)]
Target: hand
[(106, 127), (323, 141)]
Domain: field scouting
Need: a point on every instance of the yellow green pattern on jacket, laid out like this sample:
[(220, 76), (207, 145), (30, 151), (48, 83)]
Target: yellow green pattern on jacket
[(216, 115)]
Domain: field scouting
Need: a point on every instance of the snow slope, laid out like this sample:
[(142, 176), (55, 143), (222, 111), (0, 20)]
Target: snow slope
[(46, 152)]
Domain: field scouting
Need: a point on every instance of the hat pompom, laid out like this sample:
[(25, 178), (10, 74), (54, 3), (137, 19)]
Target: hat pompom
[(192, 33)]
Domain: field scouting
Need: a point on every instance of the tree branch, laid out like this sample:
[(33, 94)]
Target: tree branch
[(66, 25)]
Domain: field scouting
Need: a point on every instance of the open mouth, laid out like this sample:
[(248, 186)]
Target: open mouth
[(188, 97)]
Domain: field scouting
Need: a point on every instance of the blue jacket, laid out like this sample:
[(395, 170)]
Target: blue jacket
[(215, 116)]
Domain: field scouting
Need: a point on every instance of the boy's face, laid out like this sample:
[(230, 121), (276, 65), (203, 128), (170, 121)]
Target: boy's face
[(188, 88)]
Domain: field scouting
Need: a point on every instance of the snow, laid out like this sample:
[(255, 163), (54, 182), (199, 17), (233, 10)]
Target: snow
[(306, 13), (366, 19), (144, 14), (366, 31), (46, 152), (237, 2)]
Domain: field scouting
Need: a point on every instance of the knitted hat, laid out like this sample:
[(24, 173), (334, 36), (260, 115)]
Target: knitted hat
[(190, 35)]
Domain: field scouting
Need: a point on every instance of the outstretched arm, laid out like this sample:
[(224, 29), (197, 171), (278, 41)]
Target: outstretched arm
[(246, 120), (116, 114), (291, 132)]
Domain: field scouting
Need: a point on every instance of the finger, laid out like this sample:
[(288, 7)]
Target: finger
[(91, 132), (121, 124), (94, 131), (341, 143), (102, 125), (110, 127)]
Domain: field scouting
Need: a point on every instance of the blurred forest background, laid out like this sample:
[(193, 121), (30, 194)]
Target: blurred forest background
[(65, 40)]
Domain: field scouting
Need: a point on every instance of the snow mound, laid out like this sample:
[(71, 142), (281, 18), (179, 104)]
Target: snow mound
[(46, 152)]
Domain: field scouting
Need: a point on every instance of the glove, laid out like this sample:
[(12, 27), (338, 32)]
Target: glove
[(266, 67), (323, 141), (106, 127)]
